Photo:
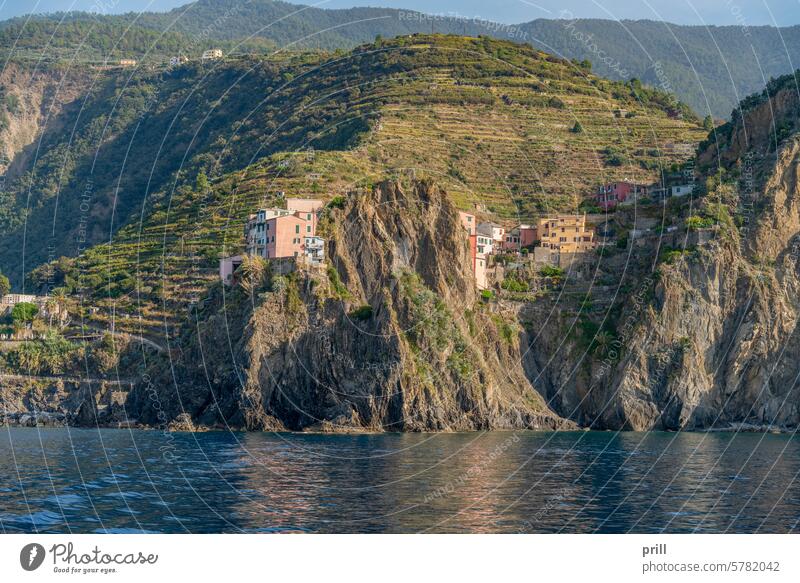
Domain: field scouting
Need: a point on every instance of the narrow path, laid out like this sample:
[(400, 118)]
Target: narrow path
[(136, 337)]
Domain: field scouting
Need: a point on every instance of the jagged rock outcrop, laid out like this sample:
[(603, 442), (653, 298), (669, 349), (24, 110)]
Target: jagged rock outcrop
[(715, 344), (389, 336)]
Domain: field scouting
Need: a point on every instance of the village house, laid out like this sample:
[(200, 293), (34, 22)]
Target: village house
[(520, 237), (228, 266), (274, 233), (478, 259), (566, 234), (611, 194), (175, 61), (211, 55), (469, 223), (127, 62), (659, 192), (8, 301), (492, 230), (681, 190)]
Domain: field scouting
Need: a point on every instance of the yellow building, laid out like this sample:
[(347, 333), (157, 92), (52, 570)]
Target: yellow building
[(566, 234)]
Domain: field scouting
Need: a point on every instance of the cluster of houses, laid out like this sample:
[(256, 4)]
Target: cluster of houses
[(556, 240), (276, 233), (209, 55), (560, 240), (611, 194), (8, 301)]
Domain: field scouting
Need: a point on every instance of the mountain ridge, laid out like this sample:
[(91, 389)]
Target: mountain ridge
[(710, 67)]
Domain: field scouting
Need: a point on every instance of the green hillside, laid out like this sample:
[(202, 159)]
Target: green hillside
[(710, 68), (491, 121)]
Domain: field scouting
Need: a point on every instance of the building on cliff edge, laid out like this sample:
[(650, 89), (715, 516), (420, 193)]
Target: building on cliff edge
[(275, 233)]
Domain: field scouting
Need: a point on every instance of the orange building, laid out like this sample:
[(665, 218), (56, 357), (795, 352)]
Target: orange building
[(566, 234)]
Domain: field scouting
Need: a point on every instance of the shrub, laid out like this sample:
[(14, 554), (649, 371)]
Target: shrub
[(577, 128), (337, 202), (336, 283), (362, 313), (487, 295), (5, 285), (695, 222), (551, 271), (514, 285), (24, 312)]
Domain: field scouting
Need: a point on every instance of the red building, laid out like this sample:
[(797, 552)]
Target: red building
[(610, 195)]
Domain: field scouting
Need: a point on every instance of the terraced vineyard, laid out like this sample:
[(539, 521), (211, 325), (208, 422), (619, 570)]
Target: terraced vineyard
[(493, 122)]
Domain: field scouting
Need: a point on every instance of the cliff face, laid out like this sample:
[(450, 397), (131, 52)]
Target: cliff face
[(31, 100), (713, 339), (389, 336)]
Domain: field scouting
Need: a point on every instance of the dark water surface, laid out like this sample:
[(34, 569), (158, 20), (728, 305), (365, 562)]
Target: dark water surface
[(79, 480)]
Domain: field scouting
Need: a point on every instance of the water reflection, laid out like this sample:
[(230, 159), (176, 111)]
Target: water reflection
[(58, 480)]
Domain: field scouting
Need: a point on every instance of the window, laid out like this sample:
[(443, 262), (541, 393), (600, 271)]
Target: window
[(297, 228), (308, 229), (308, 216)]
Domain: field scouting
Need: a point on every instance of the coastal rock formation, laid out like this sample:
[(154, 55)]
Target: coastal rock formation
[(390, 336), (712, 338)]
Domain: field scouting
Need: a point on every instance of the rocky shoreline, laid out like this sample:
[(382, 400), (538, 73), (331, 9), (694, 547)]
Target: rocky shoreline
[(61, 420)]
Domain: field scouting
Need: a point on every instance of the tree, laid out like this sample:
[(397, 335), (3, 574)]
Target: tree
[(708, 123), (5, 285), (201, 183), (577, 128), (24, 312)]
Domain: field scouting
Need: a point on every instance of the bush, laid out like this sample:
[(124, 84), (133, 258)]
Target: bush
[(337, 202), (5, 285), (551, 271), (695, 222), (514, 285), (336, 283), (577, 128), (487, 295), (24, 312), (362, 313)]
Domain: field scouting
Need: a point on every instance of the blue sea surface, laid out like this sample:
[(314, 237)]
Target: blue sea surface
[(122, 481)]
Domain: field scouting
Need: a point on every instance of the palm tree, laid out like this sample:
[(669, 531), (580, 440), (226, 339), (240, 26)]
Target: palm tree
[(251, 273), (602, 341)]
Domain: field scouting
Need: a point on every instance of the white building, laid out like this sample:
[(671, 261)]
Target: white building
[(681, 190), (493, 231), (314, 248), (212, 55)]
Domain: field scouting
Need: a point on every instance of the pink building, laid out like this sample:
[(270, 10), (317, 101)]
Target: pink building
[(519, 237), (610, 195), (306, 208), (227, 266), (278, 233), (284, 236), (469, 222)]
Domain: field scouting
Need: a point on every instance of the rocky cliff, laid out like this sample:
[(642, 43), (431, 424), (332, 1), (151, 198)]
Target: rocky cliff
[(709, 339), (388, 336)]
